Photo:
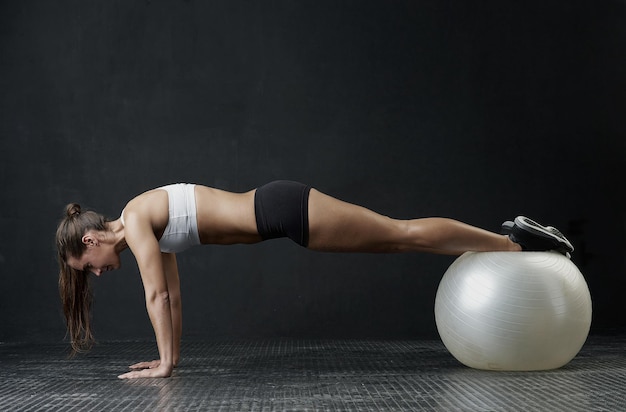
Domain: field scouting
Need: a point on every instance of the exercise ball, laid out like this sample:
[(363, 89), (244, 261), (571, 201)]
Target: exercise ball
[(513, 311)]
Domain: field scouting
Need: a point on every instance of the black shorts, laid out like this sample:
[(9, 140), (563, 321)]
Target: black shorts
[(282, 210)]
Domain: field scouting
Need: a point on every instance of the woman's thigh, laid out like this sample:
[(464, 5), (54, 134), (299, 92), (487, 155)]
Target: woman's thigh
[(335, 225)]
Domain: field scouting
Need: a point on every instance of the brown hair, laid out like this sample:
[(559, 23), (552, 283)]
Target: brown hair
[(74, 286)]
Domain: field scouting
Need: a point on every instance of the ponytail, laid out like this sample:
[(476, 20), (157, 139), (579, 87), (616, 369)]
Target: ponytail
[(74, 286), (76, 298)]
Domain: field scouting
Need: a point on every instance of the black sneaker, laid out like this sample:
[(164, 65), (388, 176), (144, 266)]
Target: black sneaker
[(534, 237)]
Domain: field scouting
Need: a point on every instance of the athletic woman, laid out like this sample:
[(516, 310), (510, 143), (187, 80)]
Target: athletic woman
[(162, 222)]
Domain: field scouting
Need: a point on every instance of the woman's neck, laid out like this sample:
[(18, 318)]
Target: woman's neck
[(115, 229)]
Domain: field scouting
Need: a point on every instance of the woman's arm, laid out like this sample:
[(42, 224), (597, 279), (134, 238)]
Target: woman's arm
[(173, 288), (145, 247)]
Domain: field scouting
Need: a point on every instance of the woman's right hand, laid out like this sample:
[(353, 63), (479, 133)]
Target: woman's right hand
[(145, 365), (152, 369)]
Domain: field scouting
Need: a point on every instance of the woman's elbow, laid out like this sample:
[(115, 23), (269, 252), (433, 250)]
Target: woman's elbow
[(158, 298), (174, 300)]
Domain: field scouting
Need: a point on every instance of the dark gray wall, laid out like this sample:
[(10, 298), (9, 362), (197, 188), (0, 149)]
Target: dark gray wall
[(474, 110)]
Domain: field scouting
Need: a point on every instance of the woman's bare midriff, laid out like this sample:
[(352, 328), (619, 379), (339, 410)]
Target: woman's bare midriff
[(224, 217)]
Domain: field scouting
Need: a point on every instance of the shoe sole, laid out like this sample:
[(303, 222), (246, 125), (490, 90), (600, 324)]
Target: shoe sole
[(545, 231)]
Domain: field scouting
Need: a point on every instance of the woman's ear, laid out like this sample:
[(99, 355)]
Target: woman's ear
[(89, 239)]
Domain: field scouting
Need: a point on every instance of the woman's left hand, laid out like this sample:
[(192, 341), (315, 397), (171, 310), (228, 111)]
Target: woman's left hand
[(152, 369)]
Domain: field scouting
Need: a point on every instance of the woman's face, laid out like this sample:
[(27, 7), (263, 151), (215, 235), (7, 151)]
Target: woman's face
[(98, 257)]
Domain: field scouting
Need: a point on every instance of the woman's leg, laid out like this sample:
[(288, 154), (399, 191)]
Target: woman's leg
[(339, 226)]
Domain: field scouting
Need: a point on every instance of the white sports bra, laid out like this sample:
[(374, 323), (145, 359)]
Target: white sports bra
[(181, 231)]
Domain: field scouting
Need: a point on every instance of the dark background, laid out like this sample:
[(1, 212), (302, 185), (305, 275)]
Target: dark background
[(474, 110)]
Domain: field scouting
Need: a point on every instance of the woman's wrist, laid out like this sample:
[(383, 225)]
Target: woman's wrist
[(168, 367)]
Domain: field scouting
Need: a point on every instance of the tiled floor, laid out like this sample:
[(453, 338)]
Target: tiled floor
[(305, 375)]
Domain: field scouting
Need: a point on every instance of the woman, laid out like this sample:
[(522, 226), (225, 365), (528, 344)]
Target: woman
[(161, 222)]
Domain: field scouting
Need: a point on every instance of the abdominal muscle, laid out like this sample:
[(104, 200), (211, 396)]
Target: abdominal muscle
[(225, 217)]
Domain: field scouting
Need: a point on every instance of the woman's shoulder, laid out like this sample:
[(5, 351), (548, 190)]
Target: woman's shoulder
[(150, 206)]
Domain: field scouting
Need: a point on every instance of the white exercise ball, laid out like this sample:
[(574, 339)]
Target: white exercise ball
[(515, 311)]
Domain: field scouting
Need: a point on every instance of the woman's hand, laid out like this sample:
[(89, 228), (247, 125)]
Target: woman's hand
[(152, 369), (145, 365)]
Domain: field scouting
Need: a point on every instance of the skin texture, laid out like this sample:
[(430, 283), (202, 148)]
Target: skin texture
[(228, 218)]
